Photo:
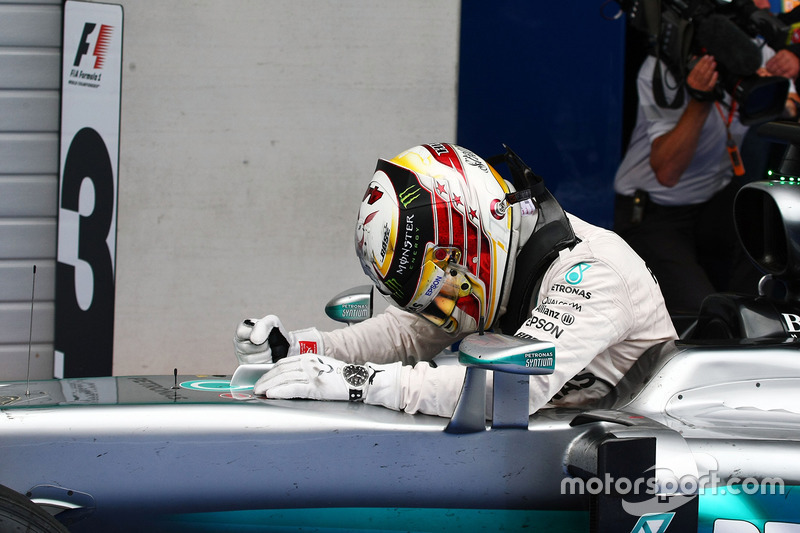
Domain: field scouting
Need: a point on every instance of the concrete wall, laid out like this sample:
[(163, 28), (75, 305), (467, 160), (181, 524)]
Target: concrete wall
[(250, 129)]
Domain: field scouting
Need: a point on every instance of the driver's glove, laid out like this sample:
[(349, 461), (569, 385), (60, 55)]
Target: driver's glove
[(266, 340), (319, 377)]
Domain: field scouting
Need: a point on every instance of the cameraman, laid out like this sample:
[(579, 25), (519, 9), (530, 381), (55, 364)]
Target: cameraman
[(675, 188), (759, 154), (786, 62)]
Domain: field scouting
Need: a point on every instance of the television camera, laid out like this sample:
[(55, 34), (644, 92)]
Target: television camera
[(678, 31)]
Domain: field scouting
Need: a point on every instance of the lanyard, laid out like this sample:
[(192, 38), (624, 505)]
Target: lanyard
[(730, 144)]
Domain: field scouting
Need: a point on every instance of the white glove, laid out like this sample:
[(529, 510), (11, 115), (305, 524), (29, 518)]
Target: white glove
[(266, 340), (319, 377)]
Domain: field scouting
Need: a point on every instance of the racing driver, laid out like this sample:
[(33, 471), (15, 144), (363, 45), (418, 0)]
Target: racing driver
[(456, 248)]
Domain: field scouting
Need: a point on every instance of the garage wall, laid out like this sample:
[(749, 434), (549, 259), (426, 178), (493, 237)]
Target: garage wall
[(250, 130), (30, 41)]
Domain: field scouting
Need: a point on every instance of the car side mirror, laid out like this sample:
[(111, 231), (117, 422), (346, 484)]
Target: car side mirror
[(351, 306), (512, 360)]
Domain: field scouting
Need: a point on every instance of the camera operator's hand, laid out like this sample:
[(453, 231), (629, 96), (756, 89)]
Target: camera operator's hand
[(784, 63), (703, 78)]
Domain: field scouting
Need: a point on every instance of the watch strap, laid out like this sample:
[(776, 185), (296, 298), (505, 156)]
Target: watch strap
[(356, 395)]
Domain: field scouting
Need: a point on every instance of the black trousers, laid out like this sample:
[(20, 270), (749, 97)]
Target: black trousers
[(693, 250)]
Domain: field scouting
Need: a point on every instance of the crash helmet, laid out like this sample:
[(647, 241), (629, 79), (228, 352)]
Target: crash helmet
[(433, 236)]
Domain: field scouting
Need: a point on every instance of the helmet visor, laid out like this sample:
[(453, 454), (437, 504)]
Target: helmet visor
[(442, 284)]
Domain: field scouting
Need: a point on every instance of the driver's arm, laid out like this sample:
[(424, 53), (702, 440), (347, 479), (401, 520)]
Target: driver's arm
[(394, 335)]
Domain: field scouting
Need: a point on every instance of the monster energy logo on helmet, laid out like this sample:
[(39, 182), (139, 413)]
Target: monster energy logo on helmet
[(409, 195), (414, 229), (394, 286)]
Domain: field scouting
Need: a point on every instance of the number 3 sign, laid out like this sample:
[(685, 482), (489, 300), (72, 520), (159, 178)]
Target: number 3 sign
[(90, 107)]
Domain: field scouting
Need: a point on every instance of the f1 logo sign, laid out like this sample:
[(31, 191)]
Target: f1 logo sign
[(100, 39), (792, 323), (87, 210)]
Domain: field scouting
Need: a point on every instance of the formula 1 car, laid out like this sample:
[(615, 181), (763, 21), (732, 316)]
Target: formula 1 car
[(702, 434)]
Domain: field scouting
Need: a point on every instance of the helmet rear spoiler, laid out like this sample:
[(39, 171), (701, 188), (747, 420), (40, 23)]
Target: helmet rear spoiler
[(552, 233)]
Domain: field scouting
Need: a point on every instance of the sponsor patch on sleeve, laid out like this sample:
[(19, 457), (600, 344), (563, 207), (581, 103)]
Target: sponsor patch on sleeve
[(308, 347)]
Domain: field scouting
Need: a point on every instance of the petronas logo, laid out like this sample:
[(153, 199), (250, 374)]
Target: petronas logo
[(409, 195), (395, 287)]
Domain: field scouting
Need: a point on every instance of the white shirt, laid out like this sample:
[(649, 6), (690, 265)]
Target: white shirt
[(710, 170)]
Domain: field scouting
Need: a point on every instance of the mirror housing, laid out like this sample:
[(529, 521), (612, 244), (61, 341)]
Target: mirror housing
[(512, 359), (351, 306), (503, 353)]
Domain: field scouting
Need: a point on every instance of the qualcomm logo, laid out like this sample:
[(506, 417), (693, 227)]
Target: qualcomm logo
[(653, 523)]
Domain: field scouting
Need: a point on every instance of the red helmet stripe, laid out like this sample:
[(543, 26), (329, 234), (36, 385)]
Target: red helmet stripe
[(444, 154), (458, 229), (478, 242), (442, 220), (472, 248)]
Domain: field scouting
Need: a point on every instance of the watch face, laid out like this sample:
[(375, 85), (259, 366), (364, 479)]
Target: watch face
[(355, 375)]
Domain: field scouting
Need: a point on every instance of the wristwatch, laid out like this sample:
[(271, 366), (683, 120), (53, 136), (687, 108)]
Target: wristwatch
[(356, 377)]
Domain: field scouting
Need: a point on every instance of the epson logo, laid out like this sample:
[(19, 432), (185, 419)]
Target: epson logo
[(544, 325), (434, 285)]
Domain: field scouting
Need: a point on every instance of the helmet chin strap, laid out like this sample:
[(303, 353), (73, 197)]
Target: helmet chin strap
[(552, 233)]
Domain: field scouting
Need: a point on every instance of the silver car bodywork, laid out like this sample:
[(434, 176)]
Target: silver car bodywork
[(700, 435), (126, 453)]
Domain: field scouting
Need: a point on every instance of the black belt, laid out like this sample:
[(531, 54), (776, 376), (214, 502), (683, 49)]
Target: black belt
[(638, 204)]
